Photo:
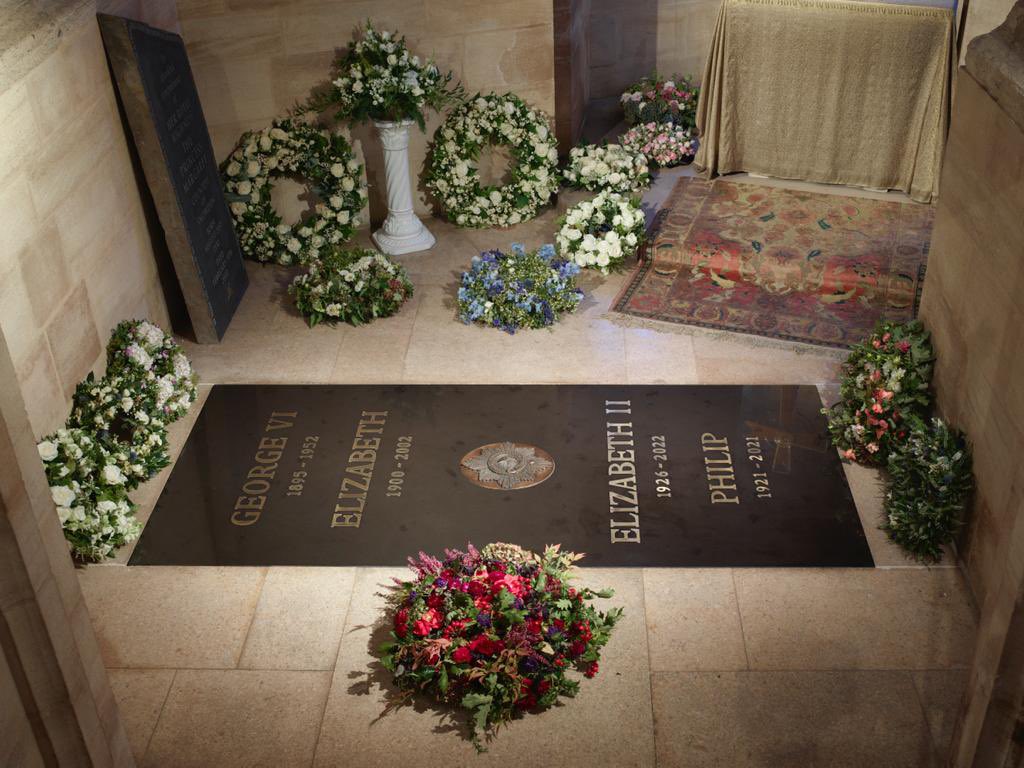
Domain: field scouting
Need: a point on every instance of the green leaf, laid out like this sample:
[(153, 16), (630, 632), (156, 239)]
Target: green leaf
[(442, 680)]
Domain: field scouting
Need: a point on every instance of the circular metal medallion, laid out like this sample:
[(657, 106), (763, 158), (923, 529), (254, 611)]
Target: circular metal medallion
[(507, 466)]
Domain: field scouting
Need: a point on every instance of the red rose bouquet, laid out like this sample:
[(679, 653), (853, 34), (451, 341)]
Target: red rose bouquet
[(495, 631)]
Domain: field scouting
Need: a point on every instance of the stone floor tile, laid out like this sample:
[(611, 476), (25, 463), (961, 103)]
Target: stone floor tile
[(264, 355), (171, 616), (244, 718), (789, 720), (846, 618), (693, 620), (609, 722), (941, 692), (731, 358), (140, 696), (576, 350), (299, 619), (659, 357)]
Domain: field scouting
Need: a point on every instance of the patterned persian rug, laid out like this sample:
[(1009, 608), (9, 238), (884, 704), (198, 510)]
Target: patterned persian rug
[(816, 268)]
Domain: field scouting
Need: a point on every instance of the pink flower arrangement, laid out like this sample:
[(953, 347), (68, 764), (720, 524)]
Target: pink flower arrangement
[(663, 144), (655, 99)]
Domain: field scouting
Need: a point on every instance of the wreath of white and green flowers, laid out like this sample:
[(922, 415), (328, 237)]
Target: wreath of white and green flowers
[(142, 351), (454, 180), (323, 160), (611, 167), (601, 232), (116, 437)]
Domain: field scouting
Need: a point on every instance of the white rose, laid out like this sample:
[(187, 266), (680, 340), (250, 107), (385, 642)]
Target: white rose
[(106, 506), (631, 238), (337, 170), (113, 475), (244, 187), (294, 245), (252, 168), (233, 168), (495, 196), (265, 143), (343, 217), (347, 184), (47, 450), (62, 495), (239, 209)]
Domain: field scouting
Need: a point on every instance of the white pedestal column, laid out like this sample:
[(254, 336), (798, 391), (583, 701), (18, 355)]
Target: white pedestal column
[(402, 231)]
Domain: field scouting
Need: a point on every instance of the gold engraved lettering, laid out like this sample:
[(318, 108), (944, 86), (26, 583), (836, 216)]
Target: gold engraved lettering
[(623, 509), (355, 483), (252, 501)]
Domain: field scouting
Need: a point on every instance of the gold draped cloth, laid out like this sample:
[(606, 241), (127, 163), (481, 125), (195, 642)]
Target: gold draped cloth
[(833, 91)]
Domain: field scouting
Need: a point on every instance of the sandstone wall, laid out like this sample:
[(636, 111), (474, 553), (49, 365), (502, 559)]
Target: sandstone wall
[(76, 255), (253, 61), (972, 305)]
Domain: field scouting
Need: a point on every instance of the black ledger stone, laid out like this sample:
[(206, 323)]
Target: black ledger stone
[(160, 99), (630, 475)]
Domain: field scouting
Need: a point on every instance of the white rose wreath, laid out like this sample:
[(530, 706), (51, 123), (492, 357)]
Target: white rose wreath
[(601, 232), (454, 180), (325, 164)]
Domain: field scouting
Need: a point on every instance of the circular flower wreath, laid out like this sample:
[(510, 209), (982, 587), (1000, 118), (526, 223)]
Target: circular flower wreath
[(351, 285), (455, 182), (611, 167), (601, 232), (324, 160)]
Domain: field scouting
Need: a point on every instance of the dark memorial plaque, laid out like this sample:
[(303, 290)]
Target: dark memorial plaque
[(154, 81), (630, 475)]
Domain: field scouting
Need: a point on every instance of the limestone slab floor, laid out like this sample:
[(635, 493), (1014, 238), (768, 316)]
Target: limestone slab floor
[(718, 667)]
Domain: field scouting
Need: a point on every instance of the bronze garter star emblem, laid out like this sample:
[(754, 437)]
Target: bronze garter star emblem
[(507, 466)]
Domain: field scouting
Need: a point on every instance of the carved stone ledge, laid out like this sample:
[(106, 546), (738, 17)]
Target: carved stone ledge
[(996, 61)]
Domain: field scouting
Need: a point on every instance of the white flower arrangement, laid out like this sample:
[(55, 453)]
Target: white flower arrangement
[(89, 491), (601, 232), (353, 286), (323, 159), (116, 438), (378, 78), (454, 180), (611, 167), (141, 351)]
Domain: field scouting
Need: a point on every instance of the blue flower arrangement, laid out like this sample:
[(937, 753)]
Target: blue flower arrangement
[(518, 290)]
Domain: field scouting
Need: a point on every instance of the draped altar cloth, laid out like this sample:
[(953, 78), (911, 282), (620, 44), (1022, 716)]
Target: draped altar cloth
[(833, 91)]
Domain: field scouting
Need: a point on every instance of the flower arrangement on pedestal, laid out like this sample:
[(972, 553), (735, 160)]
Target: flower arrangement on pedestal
[(601, 232), (116, 437), (663, 144), (518, 290), (323, 160), (378, 79), (611, 167), (658, 100), (352, 286), (495, 631), (885, 383), (455, 181)]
